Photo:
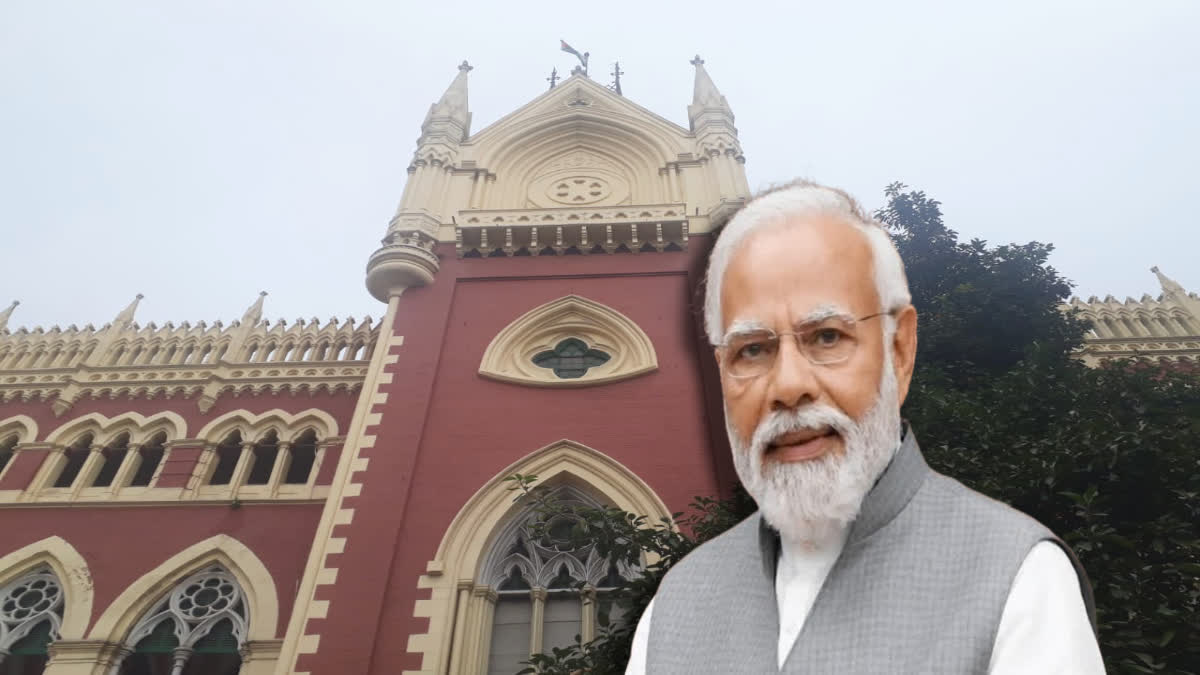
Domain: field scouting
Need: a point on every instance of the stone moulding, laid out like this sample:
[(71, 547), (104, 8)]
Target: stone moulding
[(565, 231), (509, 357)]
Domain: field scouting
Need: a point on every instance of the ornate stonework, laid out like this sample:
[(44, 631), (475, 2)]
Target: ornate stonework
[(201, 361), (1165, 328)]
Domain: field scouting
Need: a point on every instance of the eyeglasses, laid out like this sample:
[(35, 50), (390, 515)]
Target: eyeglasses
[(825, 342)]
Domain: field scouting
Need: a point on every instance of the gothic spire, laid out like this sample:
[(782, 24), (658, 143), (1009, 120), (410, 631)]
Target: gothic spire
[(452, 106), (126, 316), (705, 95), (254, 312), (7, 313)]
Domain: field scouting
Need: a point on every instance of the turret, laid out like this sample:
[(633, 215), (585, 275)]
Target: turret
[(711, 121), (407, 256)]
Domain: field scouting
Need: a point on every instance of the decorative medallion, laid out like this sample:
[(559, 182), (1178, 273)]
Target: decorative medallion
[(579, 190)]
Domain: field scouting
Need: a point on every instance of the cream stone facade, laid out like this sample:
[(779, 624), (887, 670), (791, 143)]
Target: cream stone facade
[(578, 170), (1165, 328)]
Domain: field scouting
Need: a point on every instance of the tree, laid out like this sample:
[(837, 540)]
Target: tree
[(1108, 458)]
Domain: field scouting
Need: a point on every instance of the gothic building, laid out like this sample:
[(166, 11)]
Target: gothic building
[(274, 498)]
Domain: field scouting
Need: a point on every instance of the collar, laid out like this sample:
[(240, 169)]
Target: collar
[(896, 486)]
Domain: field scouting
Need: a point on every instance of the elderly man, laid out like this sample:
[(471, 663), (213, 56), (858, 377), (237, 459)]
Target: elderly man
[(861, 559)]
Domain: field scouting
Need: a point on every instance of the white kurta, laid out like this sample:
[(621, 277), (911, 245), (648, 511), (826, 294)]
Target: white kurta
[(1044, 627)]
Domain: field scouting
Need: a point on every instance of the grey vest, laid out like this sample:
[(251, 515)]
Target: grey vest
[(919, 587)]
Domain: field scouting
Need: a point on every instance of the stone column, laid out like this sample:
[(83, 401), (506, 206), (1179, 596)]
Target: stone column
[(179, 659), (242, 469), (588, 606), (129, 466), (461, 616), (87, 472), (282, 459), (537, 620)]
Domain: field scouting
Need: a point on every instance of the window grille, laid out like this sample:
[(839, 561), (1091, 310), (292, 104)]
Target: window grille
[(31, 608), (199, 628)]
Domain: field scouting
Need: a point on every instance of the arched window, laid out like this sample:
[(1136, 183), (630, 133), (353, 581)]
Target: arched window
[(227, 454), (301, 457), (546, 588), (150, 455), (30, 618), (75, 456), (198, 629), (7, 446), (266, 451), (114, 455)]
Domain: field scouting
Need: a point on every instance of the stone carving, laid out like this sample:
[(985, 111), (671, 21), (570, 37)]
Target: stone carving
[(26, 603), (578, 160), (579, 190)]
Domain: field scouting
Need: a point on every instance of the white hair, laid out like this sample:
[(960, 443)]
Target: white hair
[(797, 200), (809, 501)]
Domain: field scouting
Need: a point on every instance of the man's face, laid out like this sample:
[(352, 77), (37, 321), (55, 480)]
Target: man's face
[(781, 277), (809, 440)]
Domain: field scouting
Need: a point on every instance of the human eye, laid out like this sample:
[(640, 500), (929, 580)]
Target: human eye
[(753, 348), (828, 337)]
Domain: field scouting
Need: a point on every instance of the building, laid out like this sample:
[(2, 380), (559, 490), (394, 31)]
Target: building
[(1165, 329), (328, 498)]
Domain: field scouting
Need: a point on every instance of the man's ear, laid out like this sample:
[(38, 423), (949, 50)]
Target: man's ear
[(904, 349)]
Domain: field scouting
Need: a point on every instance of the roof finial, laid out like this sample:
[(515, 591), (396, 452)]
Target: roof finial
[(126, 316), (253, 313), (553, 79), (452, 105), (617, 73), (705, 95), (1168, 284), (7, 313)]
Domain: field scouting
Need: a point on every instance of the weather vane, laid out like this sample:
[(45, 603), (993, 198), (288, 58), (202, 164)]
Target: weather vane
[(553, 79), (583, 58)]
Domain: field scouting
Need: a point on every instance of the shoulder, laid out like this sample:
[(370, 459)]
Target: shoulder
[(729, 549), (966, 512)]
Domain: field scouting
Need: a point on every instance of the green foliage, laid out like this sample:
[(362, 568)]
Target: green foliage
[(1108, 458), (981, 309)]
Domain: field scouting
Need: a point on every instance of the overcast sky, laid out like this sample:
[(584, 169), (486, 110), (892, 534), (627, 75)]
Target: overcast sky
[(200, 152)]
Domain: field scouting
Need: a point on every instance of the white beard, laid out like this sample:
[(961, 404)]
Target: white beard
[(814, 500)]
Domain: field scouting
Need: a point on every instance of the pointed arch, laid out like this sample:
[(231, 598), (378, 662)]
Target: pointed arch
[(460, 608), (143, 594), (73, 574), (564, 461), (510, 355), (287, 425), (104, 429), (23, 425)]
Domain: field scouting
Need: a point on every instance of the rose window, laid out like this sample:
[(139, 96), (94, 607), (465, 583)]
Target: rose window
[(200, 600), (31, 597)]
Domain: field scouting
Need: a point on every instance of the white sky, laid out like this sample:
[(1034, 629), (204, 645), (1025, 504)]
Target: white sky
[(201, 152)]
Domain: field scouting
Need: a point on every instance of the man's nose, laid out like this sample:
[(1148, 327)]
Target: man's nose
[(793, 379)]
